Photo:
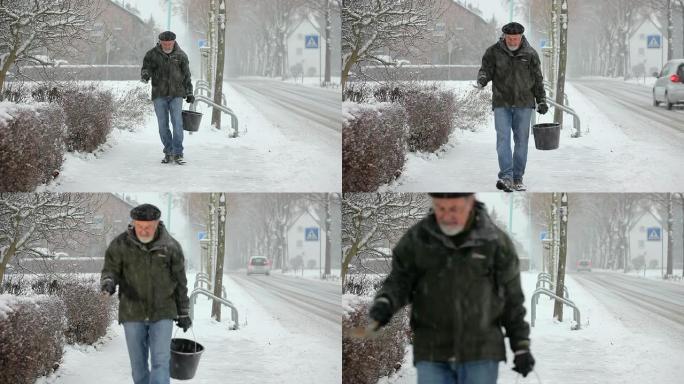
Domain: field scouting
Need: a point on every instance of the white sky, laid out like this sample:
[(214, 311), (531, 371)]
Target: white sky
[(489, 8)]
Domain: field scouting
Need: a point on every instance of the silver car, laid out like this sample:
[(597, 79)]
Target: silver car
[(259, 264), (669, 87)]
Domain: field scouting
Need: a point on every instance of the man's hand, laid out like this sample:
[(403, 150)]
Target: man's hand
[(542, 108), (481, 83), (190, 99), (524, 362), (184, 321), (144, 77), (108, 286), (381, 311)]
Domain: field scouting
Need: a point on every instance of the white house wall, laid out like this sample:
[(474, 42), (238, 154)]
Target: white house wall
[(639, 243), (653, 58), (310, 250), (298, 53)]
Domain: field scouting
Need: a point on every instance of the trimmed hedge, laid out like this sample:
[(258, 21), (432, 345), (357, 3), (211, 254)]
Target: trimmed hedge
[(373, 145), (31, 145), (365, 361), (31, 337), (88, 113), (430, 117)]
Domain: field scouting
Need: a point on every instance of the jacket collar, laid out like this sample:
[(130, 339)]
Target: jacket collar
[(162, 238), (524, 45), (479, 231)]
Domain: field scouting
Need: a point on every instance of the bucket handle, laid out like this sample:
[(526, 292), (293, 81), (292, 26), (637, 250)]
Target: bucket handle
[(193, 336)]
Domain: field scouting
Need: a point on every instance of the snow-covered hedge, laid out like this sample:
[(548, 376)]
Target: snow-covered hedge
[(365, 361), (373, 145), (31, 337), (88, 312), (131, 107), (88, 111), (430, 112), (31, 145)]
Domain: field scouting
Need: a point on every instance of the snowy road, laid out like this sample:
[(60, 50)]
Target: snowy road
[(641, 303), (631, 106), (305, 296)]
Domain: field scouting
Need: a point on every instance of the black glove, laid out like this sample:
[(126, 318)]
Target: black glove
[(524, 362), (190, 99), (482, 82), (184, 321), (381, 311), (108, 286), (144, 77), (542, 108)]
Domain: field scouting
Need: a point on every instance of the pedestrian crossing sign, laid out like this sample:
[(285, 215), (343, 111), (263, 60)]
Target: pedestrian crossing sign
[(653, 233), (653, 41), (311, 41), (311, 234)]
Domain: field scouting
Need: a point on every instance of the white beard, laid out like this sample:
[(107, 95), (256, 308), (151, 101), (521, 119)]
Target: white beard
[(145, 240), (451, 230), (167, 52), (513, 47)]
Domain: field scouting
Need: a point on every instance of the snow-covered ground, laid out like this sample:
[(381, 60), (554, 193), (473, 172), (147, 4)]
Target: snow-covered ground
[(616, 343), (269, 347), (315, 81), (611, 156), (265, 156), (313, 274)]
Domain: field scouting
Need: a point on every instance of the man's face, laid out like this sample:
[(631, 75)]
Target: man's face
[(145, 230), (512, 41), (167, 46), (452, 213)]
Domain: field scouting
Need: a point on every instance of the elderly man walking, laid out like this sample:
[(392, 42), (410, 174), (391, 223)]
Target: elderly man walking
[(460, 273), (514, 69), (168, 67)]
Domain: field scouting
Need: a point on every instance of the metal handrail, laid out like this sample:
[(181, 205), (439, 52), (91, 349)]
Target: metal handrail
[(544, 273), (226, 302), (552, 93), (223, 108), (533, 309), (575, 117), (201, 280), (566, 294), (202, 274), (209, 92)]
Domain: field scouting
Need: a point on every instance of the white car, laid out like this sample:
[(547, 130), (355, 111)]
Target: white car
[(669, 86), (258, 264)]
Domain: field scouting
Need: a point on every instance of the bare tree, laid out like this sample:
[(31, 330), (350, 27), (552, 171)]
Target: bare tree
[(28, 27), (562, 64), (370, 218), (220, 63), (370, 25), (27, 219), (218, 280), (326, 8)]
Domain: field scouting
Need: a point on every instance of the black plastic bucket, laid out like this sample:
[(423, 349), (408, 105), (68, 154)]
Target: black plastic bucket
[(546, 136), (191, 121), (185, 357)]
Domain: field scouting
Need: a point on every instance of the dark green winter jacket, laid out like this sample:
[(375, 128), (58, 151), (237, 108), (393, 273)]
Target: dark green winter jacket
[(516, 77), (170, 73), (463, 290), (151, 277)]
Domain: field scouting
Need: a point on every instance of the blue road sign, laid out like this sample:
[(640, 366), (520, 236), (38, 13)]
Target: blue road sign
[(543, 235), (201, 43), (653, 233), (311, 234), (653, 41), (311, 41), (201, 235)]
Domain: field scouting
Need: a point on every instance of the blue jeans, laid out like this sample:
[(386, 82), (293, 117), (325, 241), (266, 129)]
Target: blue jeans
[(512, 166), (163, 107), (145, 339), (471, 372)]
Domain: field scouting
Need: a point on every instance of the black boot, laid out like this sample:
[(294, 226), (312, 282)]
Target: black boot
[(519, 186), (167, 159), (179, 159), (505, 185)]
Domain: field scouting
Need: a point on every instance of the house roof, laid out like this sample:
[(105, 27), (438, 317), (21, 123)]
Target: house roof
[(309, 212), (650, 18), (644, 213), (309, 18), (461, 4), (117, 4)]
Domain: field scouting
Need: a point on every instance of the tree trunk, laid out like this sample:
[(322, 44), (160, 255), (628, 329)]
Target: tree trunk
[(328, 46), (560, 280), (346, 69), (670, 240), (220, 63), (218, 280), (562, 60), (328, 241), (670, 26)]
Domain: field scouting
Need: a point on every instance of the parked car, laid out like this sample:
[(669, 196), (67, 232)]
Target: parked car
[(583, 265), (259, 264), (669, 85)]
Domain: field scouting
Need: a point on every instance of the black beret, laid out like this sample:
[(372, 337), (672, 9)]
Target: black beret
[(450, 195), (145, 212), (513, 28), (167, 36)]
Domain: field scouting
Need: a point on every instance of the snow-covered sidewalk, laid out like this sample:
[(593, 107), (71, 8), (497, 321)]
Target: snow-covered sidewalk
[(262, 158), (261, 351), (603, 160)]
